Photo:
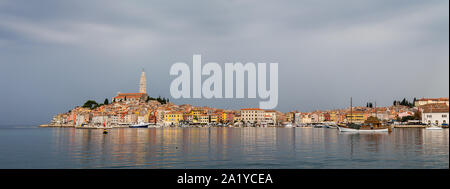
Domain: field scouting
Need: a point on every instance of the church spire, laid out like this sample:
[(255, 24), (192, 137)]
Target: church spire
[(143, 83)]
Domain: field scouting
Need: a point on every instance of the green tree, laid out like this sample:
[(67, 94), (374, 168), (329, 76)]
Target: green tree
[(91, 104), (106, 102), (406, 118)]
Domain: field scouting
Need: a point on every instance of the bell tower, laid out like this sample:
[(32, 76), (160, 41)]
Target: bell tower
[(143, 83)]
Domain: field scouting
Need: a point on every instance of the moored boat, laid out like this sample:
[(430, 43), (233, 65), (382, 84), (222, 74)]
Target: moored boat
[(371, 124), (433, 127), (287, 124), (140, 125), (347, 129)]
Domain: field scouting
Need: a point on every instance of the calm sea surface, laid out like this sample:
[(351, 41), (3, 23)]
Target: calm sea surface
[(314, 148)]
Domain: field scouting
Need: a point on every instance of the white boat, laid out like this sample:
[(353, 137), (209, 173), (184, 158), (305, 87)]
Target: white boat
[(140, 125), (287, 125), (433, 128), (345, 129)]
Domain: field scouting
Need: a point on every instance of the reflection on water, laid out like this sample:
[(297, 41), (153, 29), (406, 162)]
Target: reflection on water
[(226, 148)]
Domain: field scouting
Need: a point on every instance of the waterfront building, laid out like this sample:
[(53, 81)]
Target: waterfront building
[(228, 117), (131, 118), (326, 116), (315, 117), (270, 117), (188, 118), (196, 112), (116, 119), (141, 119), (335, 116), (290, 117), (436, 116), (252, 115), (305, 118), (237, 118), (100, 119), (173, 118), (203, 119), (298, 118), (356, 117), (82, 118), (213, 118)]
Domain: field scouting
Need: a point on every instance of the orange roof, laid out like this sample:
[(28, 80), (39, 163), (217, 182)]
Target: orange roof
[(436, 110), (251, 109), (435, 105), (435, 99), (130, 95)]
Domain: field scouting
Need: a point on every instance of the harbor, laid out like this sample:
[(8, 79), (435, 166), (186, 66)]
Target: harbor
[(225, 147)]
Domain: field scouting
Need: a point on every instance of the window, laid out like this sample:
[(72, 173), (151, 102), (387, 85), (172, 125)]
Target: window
[(444, 115)]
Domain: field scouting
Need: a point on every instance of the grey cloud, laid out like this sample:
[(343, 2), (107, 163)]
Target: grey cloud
[(56, 54)]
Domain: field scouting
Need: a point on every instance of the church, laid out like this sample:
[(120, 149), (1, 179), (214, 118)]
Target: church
[(132, 97)]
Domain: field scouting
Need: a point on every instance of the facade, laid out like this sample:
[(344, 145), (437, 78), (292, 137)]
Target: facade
[(305, 118), (203, 119), (356, 117), (435, 116), (270, 117), (252, 115), (173, 118)]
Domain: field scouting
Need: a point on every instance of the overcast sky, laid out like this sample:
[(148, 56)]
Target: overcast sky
[(55, 55)]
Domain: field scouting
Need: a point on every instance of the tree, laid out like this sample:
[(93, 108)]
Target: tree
[(91, 104), (106, 102), (403, 102), (418, 115), (406, 118)]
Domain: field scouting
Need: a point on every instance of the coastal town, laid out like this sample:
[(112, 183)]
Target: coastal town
[(127, 109)]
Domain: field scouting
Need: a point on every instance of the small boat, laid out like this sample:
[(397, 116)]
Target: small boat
[(319, 126), (105, 131), (140, 125), (288, 124), (433, 127), (347, 129)]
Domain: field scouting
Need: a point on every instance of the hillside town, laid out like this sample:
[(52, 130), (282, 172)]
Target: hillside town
[(132, 108)]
